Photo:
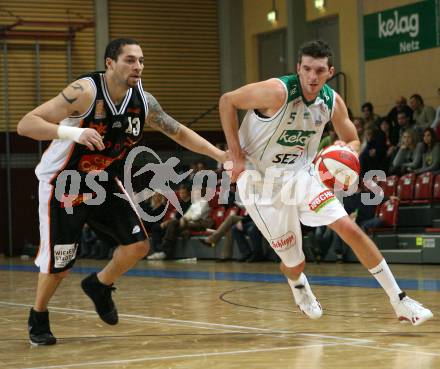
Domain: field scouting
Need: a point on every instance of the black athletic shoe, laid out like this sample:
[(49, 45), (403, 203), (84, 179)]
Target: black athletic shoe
[(101, 296), (39, 328)]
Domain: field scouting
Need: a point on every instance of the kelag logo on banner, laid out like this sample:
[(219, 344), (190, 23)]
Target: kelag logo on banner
[(402, 30)]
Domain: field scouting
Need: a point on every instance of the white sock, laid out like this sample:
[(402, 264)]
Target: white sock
[(301, 281), (383, 275)]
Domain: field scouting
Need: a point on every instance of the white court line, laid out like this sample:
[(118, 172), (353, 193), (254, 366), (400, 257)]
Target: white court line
[(197, 324), (184, 356), (93, 313), (397, 350), (353, 342), (207, 354)]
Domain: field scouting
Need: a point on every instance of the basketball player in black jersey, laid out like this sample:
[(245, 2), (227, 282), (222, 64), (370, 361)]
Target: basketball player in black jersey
[(94, 122)]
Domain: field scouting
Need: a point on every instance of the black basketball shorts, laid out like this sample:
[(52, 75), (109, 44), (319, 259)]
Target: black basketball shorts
[(60, 231)]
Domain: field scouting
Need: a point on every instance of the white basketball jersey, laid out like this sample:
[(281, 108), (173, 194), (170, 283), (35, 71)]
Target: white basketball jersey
[(289, 140)]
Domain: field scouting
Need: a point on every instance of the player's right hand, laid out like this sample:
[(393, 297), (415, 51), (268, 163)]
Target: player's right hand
[(91, 138)]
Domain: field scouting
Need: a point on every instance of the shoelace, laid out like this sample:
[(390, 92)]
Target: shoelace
[(107, 291), (110, 289)]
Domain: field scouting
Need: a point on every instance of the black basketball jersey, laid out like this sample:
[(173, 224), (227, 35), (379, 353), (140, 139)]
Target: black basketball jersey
[(121, 127)]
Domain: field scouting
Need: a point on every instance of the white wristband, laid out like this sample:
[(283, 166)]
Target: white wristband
[(69, 133)]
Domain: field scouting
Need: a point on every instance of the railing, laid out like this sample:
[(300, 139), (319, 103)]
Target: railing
[(341, 80), (202, 115)]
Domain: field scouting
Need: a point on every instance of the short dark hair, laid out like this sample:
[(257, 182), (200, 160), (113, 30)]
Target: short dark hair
[(404, 113), (316, 49), (114, 48), (367, 105), (384, 119), (418, 98)]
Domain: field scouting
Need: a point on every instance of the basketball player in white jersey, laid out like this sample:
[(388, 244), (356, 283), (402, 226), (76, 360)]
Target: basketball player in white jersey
[(281, 131), (94, 123)]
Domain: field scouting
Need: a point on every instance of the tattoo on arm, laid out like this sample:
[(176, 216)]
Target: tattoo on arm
[(70, 101), (77, 86), (158, 119)]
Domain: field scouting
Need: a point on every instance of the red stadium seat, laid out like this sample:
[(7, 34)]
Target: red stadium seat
[(170, 214), (388, 212), (405, 188), (436, 191), (423, 188), (218, 215), (389, 186), (213, 203)]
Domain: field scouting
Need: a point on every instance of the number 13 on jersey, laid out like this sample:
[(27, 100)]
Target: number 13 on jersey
[(134, 126)]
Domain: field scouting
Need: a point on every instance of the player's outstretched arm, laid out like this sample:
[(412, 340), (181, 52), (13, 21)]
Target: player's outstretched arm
[(42, 122), (344, 127), (159, 120)]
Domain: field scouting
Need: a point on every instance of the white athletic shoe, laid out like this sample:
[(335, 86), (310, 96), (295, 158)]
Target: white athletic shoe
[(307, 302), (157, 256), (409, 310)]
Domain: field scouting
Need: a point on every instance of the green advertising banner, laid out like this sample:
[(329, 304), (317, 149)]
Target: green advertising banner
[(402, 30)]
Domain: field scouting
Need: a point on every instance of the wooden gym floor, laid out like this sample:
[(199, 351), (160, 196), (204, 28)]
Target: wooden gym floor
[(222, 315)]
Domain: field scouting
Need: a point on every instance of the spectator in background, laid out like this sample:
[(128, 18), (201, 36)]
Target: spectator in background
[(96, 245), (372, 157), (197, 217), (252, 249), (223, 230), (321, 239), (401, 106), (391, 137), (87, 243), (171, 227), (423, 115), (235, 214), (369, 116), (195, 167), (329, 139), (404, 123), (201, 166), (156, 230), (361, 211), (154, 206), (405, 156), (359, 124), (436, 123), (430, 153)]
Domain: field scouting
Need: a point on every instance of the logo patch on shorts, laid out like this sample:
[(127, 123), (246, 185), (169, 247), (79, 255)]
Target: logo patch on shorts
[(283, 243), (323, 199), (64, 254)]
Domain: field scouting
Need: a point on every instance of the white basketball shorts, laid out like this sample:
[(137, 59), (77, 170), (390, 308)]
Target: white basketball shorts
[(278, 209)]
